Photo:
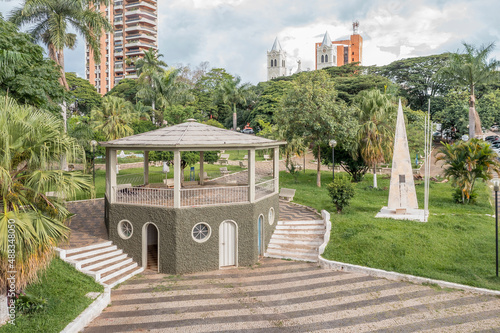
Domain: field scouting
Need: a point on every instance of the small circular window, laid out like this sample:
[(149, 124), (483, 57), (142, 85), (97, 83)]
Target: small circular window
[(201, 232), (125, 229), (270, 216)]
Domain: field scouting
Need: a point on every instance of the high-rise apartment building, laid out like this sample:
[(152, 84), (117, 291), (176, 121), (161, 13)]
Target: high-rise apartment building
[(135, 31)]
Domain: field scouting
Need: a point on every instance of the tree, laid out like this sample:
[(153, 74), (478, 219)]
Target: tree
[(30, 144), (310, 111), (376, 128), (204, 93), (126, 89), (170, 89), (469, 70), (26, 75), (51, 19), (467, 162), (114, 118), (232, 92), (84, 95)]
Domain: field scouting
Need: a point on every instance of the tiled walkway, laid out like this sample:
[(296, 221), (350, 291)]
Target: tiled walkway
[(287, 296)]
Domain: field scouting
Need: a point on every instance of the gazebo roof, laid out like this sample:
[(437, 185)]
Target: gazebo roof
[(191, 136)]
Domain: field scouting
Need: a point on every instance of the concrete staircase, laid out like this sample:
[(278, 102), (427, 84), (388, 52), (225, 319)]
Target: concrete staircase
[(104, 262), (297, 240)]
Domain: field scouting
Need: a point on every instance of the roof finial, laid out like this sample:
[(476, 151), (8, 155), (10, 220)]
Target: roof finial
[(355, 27)]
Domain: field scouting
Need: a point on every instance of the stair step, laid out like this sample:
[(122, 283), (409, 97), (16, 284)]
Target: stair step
[(99, 272), (300, 227), (94, 259), (299, 232), (292, 255), (125, 276), (296, 242), (91, 252), (93, 265), (313, 222), (109, 275), (299, 237), (90, 247), (295, 249)]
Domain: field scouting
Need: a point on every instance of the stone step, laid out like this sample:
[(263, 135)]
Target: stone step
[(106, 261), (109, 268), (87, 248), (124, 277), (91, 253), (300, 227), (317, 232), (296, 241), (296, 248), (93, 259), (313, 222), (109, 275), (292, 255)]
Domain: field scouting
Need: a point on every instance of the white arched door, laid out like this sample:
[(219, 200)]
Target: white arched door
[(228, 245)]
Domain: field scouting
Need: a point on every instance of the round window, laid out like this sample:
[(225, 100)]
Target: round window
[(270, 216), (125, 229), (201, 232)]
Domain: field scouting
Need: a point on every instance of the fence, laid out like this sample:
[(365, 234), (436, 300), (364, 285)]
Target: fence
[(213, 196), (144, 196), (264, 188)]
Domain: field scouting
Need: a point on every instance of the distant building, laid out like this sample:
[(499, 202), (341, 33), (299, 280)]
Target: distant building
[(328, 53), (276, 61), (135, 31)]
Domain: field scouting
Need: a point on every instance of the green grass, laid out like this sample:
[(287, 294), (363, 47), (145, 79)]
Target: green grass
[(457, 244), (65, 290)]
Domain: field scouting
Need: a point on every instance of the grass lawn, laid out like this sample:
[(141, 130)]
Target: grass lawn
[(457, 244), (64, 288), (135, 176)]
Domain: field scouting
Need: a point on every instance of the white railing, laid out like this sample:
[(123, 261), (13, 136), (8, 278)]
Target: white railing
[(263, 189), (144, 196), (213, 196)]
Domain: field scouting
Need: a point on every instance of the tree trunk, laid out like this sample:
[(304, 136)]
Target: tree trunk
[(234, 117), (374, 175), (64, 107), (318, 169), (153, 112)]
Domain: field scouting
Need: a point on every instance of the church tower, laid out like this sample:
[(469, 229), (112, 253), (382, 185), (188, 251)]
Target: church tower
[(276, 61), (326, 53)]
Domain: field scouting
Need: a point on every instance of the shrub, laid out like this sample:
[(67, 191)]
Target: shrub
[(341, 191), (28, 303)]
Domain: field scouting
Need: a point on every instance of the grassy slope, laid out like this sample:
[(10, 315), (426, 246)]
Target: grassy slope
[(65, 290), (457, 244)]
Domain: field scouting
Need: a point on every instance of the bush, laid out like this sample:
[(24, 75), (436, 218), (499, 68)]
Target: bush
[(341, 191), (28, 303), (458, 196)]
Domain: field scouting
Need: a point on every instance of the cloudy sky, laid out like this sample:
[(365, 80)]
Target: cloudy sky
[(235, 34)]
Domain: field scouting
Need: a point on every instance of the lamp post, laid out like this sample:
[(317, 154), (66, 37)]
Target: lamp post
[(332, 144), (496, 186), (93, 144)]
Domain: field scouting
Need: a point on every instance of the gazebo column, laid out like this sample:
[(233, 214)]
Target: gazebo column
[(177, 179), (110, 174), (276, 168), (146, 167), (251, 175), (201, 167)]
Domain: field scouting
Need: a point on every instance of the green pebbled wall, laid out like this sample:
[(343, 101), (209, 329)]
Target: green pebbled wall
[(178, 252)]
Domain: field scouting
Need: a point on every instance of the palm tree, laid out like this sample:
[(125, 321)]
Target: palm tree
[(468, 161), (51, 20), (30, 144), (149, 69), (114, 118), (470, 70), (170, 90), (232, 92), (376, 131)]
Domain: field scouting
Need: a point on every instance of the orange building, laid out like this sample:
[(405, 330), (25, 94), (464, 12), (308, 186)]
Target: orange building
[(135, 31), (337, 53)]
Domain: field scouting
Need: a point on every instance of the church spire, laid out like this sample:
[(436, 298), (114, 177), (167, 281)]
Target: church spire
[(276, 45), (327, 41)]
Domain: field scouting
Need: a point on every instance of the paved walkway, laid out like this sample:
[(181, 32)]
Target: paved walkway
[(287, 296)]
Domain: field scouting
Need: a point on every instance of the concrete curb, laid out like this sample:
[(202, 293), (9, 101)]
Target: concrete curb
[(90, 313), (340, 266)]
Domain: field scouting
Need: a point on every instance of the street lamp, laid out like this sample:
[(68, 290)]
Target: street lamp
[(496, 186), (332, 144), (93, 144)]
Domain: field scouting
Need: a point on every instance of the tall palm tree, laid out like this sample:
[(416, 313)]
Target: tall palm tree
[(170, 89), (467, 162), (113, 119), (149, 69), (471, 69), (376, 131), (51, 20), (30, 144), (232, 92)]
